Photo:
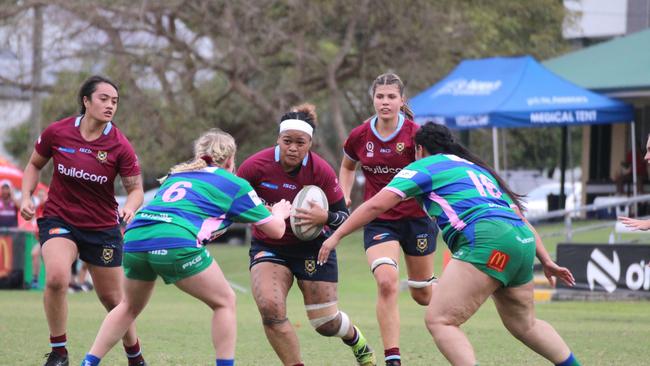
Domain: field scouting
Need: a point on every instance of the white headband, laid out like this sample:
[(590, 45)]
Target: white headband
[(296, 124)]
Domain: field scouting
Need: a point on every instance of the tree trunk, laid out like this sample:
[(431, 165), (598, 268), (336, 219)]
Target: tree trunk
[(37, 67)]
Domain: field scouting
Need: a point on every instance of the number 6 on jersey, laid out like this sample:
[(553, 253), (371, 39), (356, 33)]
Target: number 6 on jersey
[(176, 191)]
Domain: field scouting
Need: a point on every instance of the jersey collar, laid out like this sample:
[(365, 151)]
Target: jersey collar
[(107, 129), (211, 169), (400, 122), (277, 156)]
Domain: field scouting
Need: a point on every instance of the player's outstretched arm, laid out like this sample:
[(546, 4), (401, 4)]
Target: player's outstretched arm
[(552, 271), (635, 224), (368, 211), (275, 228), (30, 179)]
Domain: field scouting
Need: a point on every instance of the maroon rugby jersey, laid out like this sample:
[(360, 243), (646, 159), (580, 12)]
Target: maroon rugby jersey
[(81, 192), (272, 184), (381, 158)]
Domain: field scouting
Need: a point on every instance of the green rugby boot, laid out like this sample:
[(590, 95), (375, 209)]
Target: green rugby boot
[(362, 352)]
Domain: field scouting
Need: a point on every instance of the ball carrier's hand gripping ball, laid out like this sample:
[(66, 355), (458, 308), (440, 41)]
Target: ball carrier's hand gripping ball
[(307, 194)]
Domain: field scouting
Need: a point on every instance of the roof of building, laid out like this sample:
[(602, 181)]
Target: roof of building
[(621, 65)]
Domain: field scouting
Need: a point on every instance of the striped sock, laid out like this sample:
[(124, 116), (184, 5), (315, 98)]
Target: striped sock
[(58, 344), (225, 362), (90, 360), (133, 353), (392, 354), (571, 361)]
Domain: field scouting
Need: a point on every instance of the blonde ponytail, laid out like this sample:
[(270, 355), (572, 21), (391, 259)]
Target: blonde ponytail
[(214, 147)]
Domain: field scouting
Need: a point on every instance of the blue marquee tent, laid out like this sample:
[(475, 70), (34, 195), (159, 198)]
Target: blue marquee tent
[(513, 92)]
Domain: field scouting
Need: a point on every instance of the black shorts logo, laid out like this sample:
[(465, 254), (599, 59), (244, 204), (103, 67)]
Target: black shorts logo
[(422, 244), (310, 266), (107, 255)]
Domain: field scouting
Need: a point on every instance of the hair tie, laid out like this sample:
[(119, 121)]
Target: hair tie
[(208, 159)]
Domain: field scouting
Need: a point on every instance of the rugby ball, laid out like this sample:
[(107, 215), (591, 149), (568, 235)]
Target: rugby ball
[(307, 194)]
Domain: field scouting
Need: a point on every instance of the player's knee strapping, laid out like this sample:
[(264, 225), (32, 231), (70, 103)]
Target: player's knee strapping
[(383, 260), (328, 320), (422, 284)]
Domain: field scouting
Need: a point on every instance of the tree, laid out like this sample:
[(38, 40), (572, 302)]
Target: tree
[(184, 66)]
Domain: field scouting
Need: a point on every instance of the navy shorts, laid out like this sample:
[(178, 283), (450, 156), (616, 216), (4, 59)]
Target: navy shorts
[(416, 236), (300, 259), (98, 247)]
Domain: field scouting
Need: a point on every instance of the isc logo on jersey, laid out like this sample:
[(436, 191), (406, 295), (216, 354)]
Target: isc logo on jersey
[(81, 174), (406, 174), (253, 196)]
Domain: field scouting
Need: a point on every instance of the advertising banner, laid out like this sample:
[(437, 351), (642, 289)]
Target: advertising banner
[(12, 259), (607, 268), (6, 255)]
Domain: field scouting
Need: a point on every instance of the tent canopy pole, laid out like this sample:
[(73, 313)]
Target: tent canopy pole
[(495, 149), (634, 171)]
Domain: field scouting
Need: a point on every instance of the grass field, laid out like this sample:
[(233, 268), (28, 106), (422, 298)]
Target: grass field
[(174, 328)]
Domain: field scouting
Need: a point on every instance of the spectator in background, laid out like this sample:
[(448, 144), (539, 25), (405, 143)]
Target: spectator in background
[(80, 279), (8, 205), (624, 174)]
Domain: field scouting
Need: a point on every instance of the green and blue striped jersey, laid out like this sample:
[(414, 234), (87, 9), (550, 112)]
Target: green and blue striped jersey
[(196, 207), (455, 191)]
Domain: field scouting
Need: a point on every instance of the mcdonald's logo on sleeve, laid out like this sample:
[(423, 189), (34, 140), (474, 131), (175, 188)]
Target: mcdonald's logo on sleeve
[(498, 260)]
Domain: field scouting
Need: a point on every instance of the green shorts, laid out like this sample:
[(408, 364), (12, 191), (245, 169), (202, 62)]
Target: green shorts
[(504, 250), (171, 264)]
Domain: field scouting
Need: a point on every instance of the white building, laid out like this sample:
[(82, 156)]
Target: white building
[(597, 20)]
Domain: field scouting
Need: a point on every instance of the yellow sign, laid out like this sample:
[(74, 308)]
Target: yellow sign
[(6, 255)]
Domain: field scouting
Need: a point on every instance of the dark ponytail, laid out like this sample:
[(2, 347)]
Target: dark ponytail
[(437, 139), (408, 112), (88, 88)]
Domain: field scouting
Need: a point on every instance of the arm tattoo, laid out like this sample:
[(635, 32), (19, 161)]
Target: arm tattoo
[(132, 183)]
